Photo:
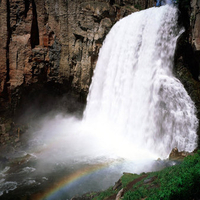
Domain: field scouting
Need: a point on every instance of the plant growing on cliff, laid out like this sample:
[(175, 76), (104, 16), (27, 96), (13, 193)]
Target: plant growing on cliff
[(105, 194), (138, 6)]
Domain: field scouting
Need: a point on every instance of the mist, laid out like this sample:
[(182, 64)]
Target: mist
[(63, 139), (59, 145)]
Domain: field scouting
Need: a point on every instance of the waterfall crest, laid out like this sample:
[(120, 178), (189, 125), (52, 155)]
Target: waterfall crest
[(134, 94)]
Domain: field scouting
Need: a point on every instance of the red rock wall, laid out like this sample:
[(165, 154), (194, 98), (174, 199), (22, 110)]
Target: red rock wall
[(55, 40), (3, 45)]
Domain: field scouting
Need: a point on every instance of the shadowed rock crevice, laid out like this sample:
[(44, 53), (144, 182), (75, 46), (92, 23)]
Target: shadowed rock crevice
[(112, 2), (146, 4), (5, 91), (27, 5), (34, 27), (58, 97), (185, 54), (78, 37)]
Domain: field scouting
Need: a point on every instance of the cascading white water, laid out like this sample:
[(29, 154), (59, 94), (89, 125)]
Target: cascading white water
[(134, 95)]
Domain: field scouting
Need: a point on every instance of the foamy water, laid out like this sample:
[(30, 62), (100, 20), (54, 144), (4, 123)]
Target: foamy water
[(134, 96)]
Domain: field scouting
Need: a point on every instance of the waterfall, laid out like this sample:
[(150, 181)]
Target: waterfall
[(136, 112), (134, 98)]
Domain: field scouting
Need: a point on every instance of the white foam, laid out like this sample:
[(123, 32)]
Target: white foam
[(135, 103)]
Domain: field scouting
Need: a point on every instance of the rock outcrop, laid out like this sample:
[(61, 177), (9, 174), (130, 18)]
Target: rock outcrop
[(195, 24), (3, 47), (55, 40)]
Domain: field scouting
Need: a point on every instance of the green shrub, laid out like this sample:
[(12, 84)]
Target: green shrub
[(105, 194)]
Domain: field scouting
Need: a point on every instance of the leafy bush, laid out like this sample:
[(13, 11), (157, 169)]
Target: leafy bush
[(105, 194)]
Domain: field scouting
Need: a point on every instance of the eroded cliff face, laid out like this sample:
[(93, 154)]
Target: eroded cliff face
[(50, 47), (195, 25), (3, 45), (55, 40)]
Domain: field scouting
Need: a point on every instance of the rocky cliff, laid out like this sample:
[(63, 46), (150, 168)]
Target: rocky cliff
[(195, 25), (51, 46), (55, 40)]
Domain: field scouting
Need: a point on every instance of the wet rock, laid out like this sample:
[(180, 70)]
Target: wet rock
[(117, 185), (120, 194), (176, 155), (3, 162), (17, 140), (195, 24), (148, 180)]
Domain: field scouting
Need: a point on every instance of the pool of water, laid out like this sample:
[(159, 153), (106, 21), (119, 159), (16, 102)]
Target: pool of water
[(23, 176)]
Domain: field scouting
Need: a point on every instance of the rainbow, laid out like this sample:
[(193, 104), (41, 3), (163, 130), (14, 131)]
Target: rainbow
[(56, 189)]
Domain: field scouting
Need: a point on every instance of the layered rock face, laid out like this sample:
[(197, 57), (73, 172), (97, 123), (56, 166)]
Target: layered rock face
[(3, 45), (55, 40), (195, 23)]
